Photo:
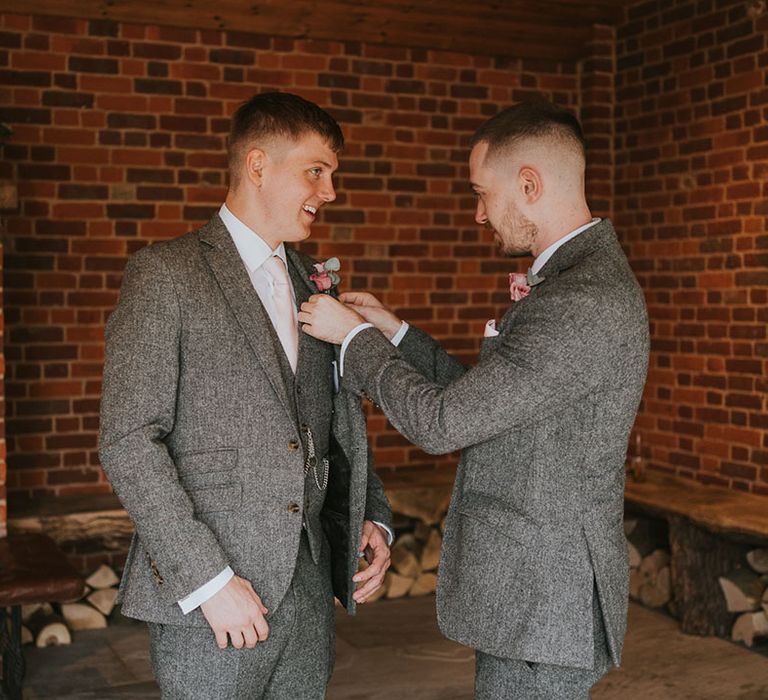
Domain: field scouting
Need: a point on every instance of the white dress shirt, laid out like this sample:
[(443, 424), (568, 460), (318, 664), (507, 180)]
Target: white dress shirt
[(254, 252)]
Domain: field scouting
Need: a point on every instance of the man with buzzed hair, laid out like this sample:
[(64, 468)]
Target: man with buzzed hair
[(534, 568), (222, 433)]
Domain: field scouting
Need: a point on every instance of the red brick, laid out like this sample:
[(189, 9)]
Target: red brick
[(403, 222)]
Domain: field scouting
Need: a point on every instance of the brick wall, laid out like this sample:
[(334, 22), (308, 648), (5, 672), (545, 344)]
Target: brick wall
[(119, 141), (692, 205)]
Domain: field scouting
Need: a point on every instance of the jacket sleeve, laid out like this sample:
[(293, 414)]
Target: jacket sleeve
[(426, 355), (138, 407), (376, 503), (557, 354)]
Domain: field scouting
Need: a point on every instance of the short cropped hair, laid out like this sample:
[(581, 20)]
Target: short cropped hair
[(278, 114), (535, 119)]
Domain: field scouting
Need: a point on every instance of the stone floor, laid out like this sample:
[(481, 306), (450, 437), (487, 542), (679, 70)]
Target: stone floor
[(393, 650)]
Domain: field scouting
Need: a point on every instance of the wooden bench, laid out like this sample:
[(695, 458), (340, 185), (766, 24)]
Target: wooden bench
[(710, 531), (32, 570)]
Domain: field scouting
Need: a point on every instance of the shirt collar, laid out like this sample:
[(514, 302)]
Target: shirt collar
[(547, 253), (252, 248)]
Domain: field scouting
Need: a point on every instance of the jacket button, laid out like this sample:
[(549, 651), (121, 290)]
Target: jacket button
[(293, 507), (293, 445)]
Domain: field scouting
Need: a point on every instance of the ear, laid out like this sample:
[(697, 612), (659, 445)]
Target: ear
[(531, 185), (254, 163)]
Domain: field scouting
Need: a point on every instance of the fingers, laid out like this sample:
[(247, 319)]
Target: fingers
[(372, 571), (251, 637), (262, 629), (237, 638), (264, 610), (221, 639), (367, 589), (372, 577), (364, 538), (236, 615), (361, 595), (378, 555), (359, 299)]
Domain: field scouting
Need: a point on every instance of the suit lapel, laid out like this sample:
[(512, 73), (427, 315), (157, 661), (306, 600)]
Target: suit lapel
[(220, 253), (315, 356), (299, 271), (569, 254)]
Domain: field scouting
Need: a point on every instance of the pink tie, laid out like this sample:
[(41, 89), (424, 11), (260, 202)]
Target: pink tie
[(285, 323)]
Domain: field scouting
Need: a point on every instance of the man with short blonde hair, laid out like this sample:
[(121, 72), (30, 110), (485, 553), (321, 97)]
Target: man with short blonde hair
[(222, 433)]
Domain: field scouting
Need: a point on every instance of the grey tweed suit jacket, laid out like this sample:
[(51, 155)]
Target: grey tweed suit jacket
[(203, 429), (543, 422)]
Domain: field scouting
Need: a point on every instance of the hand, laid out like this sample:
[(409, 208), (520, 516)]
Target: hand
[(373, 311), (326, 319), (236, 611), (374, 546)]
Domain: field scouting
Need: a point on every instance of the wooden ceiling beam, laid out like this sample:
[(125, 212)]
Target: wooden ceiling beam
[(555, 30), (499, 12)]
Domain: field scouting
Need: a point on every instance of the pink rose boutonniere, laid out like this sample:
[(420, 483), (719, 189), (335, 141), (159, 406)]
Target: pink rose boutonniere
[(518, 286), (325, 277)]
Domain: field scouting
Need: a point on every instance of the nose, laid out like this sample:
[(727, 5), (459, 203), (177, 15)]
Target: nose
[(327, 193), (480, 215)]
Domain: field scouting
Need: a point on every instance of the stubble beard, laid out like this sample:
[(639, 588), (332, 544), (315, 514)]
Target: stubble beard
[(521, 237)]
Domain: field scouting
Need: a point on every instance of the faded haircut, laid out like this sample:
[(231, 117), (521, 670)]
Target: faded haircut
[(273, 114), (537, 119)]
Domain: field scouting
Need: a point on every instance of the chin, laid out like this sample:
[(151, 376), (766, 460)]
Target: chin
[(300, 235)]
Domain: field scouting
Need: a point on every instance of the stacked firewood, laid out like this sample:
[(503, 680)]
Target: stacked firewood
[(746, 593), (650, 580), (415, 556), (46, 624)]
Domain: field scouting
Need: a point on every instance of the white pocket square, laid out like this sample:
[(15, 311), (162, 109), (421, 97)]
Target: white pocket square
[(490, 329)]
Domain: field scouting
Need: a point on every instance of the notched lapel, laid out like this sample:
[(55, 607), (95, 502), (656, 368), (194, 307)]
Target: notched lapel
[(220, 253), (300, 269), (300, 272)]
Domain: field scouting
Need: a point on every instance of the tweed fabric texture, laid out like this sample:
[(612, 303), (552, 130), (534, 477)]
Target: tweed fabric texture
[(294, 662), (203, 428), (498, 678), (543, 422)]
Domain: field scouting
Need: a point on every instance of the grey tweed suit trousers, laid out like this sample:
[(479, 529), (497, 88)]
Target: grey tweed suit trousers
[(535, 519), (205, 434)]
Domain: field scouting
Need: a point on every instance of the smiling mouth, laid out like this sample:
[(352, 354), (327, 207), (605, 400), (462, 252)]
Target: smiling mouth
[(312, 211)]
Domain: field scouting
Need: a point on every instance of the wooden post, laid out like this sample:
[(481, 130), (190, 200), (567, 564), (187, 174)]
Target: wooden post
[(699, 558)]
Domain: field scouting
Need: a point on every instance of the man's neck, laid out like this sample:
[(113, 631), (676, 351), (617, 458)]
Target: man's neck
[(246, 212), (543, 257), (550, 232)]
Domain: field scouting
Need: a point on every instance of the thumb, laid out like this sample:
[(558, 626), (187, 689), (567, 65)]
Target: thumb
[(363, 542)]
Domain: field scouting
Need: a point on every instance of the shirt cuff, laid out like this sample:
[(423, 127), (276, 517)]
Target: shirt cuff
[(206, 591), (347, 341), (388, 530), (397, 337)]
